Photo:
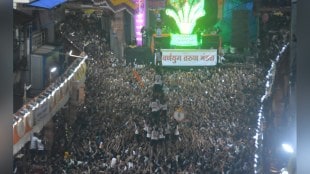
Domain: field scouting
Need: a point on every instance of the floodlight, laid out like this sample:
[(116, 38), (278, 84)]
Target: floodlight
[(288, 148), (53, 69)]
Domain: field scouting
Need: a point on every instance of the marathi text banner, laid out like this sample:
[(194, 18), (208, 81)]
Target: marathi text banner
[(189, 57)]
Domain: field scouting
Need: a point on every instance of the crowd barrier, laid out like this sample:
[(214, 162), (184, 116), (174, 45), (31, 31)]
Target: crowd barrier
[(35, 114)]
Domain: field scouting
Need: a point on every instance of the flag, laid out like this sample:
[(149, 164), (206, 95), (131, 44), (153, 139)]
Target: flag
[(138, 78)]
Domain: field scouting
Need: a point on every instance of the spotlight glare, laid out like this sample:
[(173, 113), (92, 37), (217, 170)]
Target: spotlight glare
[(288, 148), (53, 69), (284, 171)]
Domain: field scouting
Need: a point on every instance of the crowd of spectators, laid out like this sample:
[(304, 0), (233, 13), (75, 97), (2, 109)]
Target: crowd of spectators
[(274, 33), (110, 134), (220, 106), (85, 33)]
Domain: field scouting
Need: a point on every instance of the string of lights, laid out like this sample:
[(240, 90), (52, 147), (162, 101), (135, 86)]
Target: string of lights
[(51, 90), (260, 119)]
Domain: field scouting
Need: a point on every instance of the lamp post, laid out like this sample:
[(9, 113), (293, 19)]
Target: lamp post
[(26, 88), (287, 148), (52, 70)]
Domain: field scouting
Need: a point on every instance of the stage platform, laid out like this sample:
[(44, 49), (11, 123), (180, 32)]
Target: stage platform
[(208, 41)]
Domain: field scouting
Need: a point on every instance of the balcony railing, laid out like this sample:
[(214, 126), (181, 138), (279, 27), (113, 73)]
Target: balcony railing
[(35, 114)]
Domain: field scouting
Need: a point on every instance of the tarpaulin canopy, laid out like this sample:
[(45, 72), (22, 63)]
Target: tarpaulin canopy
[(47, 3)]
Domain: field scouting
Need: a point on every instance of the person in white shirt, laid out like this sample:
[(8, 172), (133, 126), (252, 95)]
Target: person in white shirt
[(167, 131), (113, 162), (158, 55), (148, 134), (158, 79), (154, 105), (137, 135), (161, 135), (155, 108), (145, 126), (153, 135), (41, 149), (33, 141), (130, 164), (156, 135), (176, 133), (34, 146)]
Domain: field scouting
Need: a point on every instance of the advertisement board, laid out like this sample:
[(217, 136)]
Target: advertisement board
[(189, 57)]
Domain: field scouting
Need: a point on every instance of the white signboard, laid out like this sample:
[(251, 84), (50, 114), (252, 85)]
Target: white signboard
[(189, 57)]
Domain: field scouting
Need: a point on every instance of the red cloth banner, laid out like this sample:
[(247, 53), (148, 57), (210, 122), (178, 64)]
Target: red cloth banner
[(138, 78)]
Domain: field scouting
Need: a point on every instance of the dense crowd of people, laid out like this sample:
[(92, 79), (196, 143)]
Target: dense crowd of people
[(217, 135), (274, 33), (85, 33), (112, 132), (117, 130)]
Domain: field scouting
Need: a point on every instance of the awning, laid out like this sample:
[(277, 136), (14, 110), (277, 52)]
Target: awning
[(20, 18), (49, 4)]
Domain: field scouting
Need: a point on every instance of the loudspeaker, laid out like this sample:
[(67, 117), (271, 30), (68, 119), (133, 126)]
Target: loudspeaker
[(142, 55), (162, 42), (210, 41), (240, 29)]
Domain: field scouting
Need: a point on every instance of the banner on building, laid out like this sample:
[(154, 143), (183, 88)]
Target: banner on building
[(157, 4), (21, 127), (41, 112), (119, 5), (63, 89), (52, 102), (80, 74), (18, 130), (57, 96), (15, 134), (29, 122), (189, 57)]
